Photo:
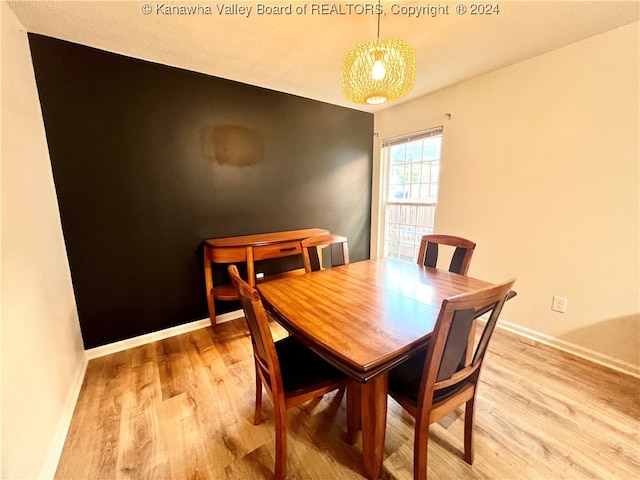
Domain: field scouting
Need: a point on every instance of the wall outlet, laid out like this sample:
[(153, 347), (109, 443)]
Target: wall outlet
[(559, 304), (259, 275)]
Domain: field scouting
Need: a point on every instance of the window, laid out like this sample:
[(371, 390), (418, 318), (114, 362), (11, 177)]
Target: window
[(412, 170)]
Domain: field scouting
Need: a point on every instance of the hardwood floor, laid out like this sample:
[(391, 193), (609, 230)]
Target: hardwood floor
[(181, 408)]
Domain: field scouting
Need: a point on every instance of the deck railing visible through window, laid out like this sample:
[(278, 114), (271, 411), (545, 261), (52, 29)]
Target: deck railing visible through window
[(406, 224)]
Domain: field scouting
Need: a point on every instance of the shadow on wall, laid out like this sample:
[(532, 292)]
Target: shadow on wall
[(233, 145), (616, 337)]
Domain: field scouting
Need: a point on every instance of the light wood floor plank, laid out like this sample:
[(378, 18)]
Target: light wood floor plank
[(143, 452), (182, 408)]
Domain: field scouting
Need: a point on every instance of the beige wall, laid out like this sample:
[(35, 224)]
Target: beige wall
[(42, 353), (541, 167)]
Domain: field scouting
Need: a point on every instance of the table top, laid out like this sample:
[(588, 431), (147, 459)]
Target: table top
[(367, 316), (263, 238)]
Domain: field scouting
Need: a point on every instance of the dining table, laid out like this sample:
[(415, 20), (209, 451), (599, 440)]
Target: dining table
[(365, 318)]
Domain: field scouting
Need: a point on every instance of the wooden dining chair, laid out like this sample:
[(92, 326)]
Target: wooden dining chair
[(461, 258), (291, 373), (311, 254), (435, 383)]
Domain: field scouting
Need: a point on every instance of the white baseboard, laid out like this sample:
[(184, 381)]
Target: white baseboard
[(578, 351), (160, 335), (66, 415), (227, 317), (585, 353)]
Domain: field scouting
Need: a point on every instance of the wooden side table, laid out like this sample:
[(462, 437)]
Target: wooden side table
[(248, 249)]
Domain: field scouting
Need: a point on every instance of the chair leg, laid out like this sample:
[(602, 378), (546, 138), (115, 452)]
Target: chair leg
[(281, 441), (469, 411), (353, 413), (420, 449), (257, 416)]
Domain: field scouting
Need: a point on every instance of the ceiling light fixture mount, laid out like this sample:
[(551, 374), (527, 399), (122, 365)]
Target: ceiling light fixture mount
[(379, 70)]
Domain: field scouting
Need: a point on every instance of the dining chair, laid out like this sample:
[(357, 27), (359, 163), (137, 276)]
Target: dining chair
[(461, 258), (312, 256), (436, 382), (291, 373)]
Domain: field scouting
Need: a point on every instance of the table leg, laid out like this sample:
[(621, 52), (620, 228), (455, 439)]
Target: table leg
[(208, 285), (374, 423), (354, 418)]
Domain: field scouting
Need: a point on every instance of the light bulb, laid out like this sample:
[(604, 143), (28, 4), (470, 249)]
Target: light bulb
[(376, 100), (378, 72)]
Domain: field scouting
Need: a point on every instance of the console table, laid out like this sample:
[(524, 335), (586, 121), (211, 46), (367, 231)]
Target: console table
[(248, 249)]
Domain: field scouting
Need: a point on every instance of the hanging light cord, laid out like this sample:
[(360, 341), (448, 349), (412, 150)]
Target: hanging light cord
[(379, 10)]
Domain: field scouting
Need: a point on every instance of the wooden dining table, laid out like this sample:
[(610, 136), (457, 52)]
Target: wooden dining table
[(365, 318)]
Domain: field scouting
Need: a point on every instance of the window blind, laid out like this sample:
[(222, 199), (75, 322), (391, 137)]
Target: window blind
[(411, 137)]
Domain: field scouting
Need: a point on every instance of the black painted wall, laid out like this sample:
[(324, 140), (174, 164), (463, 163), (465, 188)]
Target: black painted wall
[(150, 160)]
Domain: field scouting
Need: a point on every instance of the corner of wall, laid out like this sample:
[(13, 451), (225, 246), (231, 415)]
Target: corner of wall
[(66, 415), (43, 359)]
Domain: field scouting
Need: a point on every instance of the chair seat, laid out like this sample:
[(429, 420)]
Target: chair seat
[(405, 380), (302, 369)]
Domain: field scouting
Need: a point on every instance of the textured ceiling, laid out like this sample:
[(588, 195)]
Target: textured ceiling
[(301, 53)]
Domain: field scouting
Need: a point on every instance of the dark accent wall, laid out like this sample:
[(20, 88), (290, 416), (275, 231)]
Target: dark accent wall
[(150, 160)]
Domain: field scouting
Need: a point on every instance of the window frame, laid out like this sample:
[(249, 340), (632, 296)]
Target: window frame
[(385, 164)]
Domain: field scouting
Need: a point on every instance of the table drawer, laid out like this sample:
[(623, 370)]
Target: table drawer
[(276, 250), (227, 254)]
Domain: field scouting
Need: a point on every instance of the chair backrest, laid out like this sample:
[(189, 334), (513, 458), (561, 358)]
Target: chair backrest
[(447, 367), (337, 245), (428, 253), (263, 345)]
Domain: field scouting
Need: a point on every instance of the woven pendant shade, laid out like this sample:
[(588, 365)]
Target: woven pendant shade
[(378, 71)]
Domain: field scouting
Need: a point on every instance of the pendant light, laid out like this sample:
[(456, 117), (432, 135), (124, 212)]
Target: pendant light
[(378, 70)]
